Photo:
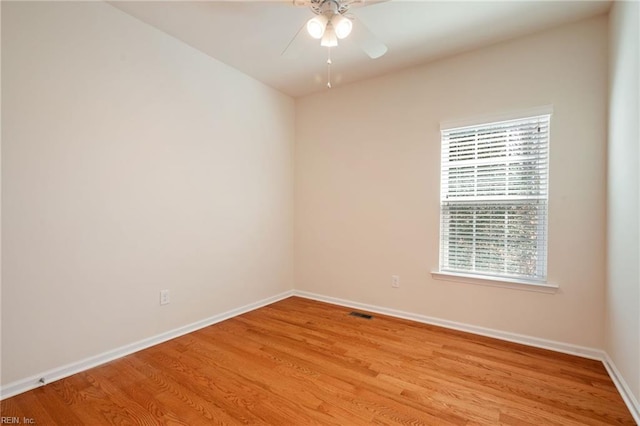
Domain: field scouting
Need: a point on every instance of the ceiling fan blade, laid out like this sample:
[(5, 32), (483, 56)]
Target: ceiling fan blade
[(363, 3), (367, 41), (288, 50)]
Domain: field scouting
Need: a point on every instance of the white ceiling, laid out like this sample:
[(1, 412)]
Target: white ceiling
[(250, 36)]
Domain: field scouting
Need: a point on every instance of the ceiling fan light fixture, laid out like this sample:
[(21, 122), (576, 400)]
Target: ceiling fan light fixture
[(341, 25), (316, 26), (329, 38)]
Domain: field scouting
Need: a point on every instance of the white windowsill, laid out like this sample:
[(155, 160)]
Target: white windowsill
[(496, 282)]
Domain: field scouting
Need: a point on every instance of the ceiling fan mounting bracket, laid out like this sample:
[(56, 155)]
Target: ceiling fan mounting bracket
[(329, 7)]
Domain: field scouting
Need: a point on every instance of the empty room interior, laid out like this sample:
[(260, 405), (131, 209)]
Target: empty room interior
[(420, 213)]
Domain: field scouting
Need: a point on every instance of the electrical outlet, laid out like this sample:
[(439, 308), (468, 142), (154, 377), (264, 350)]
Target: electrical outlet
[(164, 297), (395, 281)]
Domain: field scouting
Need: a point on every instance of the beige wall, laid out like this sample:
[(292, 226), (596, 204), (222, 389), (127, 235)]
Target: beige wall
[(623, 289), (367, 183), (131, 163)]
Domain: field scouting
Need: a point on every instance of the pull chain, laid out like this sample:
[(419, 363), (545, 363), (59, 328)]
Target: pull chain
[(329, 67)]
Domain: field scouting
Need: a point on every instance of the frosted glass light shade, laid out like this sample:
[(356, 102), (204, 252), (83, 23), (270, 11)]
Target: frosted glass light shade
[(329, 38), (341, 25), (316, 26)]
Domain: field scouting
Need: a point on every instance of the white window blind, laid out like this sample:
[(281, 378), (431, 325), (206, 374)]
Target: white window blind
[(494, 198)]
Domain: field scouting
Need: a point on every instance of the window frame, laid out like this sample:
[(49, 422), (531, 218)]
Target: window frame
[(482, 278)]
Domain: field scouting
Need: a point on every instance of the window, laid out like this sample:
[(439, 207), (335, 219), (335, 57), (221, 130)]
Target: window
[(493, 199)]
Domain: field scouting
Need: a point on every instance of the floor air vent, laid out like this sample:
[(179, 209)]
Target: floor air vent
[(360, 315)]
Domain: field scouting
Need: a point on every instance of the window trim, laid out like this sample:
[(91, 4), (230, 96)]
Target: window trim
[(491, 118), (495, 280)]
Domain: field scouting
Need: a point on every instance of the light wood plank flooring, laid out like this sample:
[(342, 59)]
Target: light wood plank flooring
[(301, 362)]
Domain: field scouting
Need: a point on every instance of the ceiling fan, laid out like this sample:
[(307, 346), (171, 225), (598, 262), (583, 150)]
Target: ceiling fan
[(333, 22)]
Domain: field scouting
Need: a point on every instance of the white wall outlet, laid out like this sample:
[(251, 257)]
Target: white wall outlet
[(164, 297), (395, 281)]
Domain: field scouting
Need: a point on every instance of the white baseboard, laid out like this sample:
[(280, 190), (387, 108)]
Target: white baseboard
[(502, 335), (591, 353), (52, 375), (623, 387)]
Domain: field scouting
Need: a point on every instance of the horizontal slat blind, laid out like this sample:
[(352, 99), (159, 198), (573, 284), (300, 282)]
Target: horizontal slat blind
[(494, 198)]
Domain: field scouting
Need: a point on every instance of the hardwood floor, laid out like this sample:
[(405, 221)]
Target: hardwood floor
[(301, 362)]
